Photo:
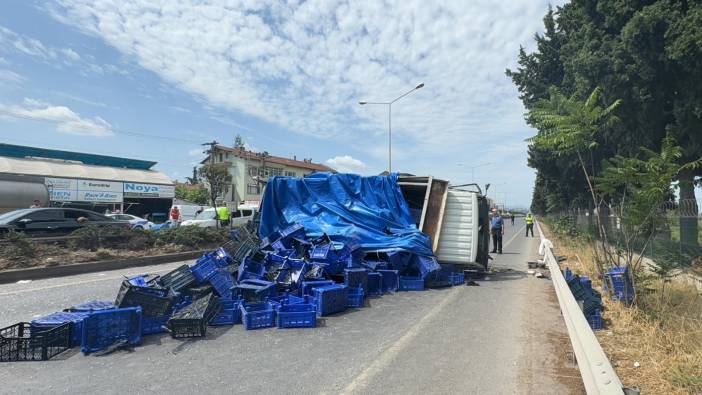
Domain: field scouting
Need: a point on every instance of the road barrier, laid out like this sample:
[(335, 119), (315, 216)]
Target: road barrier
[(597, 373)]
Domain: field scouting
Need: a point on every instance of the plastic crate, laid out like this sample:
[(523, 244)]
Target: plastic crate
[(586, 283), (308, 286), (595, 320), (375, 284), (245, 248), (199, 291), (75, 319), (356, 297), (251, 269), (330, 299), (285, 299), (356, 277), (152, 325), (101, 329), (411, 284), (204, 268), (178, 279), (254, 290), (227, 316), (152, 304), (301, 315), (390, 281), (257, 315), (458, 278), (192, 320), (567, 274), (17, 343), (93, 305), (222, 282)]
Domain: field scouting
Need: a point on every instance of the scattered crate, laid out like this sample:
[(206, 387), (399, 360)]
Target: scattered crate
[(75, 319), (309, 285), (375, 284), (390, 280), (178, 279), (254, 290), (18, 343), (356, 297), (356, 277), (227, 316), (257, 315), (153, 325), (192, 320), (301, 315), (595, 320), (222, 282), (154, 302), (93, 305), (457, 278), (101, 329), (411, 284), (330, 299), (204, 268)]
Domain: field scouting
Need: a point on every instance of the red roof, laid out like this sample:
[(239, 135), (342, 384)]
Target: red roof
[(302, 164)]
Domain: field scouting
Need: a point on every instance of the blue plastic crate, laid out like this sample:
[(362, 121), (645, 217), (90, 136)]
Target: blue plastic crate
[(285, 299), (356, 297), (204, 268), (152, 325), (251, 269), (411, 284), (567, 274), (54, 320), (234, 234), (308, 286), (102, 329), (222, 281), (300, 315), (331, 299), (595, 320), (356, 277), (93, 305), (254, 290), (586, 282), (390, 281), (227, 316), (457, 278), (257, 315), (375, 284)]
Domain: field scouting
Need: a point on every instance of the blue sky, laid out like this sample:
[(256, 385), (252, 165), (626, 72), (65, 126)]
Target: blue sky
[(151, 81)]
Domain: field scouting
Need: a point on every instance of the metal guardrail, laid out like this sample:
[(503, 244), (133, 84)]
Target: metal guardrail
[(597, 373)]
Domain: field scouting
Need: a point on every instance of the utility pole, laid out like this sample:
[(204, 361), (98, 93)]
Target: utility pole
[(211, 151)]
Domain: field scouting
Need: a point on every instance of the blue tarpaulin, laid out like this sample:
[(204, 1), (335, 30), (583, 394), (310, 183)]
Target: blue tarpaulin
[(370, 211)]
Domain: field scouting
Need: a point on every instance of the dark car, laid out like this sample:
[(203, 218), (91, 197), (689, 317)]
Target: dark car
[(53, 221)]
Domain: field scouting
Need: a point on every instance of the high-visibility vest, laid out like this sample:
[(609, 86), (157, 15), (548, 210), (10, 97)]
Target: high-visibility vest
[(529, 220), (222, 213)]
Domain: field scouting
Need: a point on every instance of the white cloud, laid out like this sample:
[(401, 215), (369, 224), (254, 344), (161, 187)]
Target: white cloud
[(346, 164), (195, 152), (65, 119), (71, 54), (305, 65), (8, 76)]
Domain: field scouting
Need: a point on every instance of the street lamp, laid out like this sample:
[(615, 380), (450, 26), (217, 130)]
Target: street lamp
[(472, 170), (389, 104)]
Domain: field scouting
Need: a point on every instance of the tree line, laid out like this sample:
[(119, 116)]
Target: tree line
[(614, 89)]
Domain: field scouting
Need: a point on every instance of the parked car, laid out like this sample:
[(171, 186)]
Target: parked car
[(187, 211), (208, 217), (137, 223), (53, 221)]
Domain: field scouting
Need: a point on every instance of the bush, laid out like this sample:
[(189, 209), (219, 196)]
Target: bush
[(191, 236), (16, 246)]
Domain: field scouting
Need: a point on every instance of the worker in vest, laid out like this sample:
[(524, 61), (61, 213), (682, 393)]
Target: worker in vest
[(223, 215), (530, 224), (497, 230)]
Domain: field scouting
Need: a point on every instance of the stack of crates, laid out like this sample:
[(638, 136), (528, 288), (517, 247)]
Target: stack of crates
[(75, 319), (375, 284), (390, 280), (619, 283), (330, 299)]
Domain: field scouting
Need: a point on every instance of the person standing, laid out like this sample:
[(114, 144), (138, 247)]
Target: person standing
[(175, 216), (497, 230), (529, 225), (223, 215), (37, 204), (511, 216)]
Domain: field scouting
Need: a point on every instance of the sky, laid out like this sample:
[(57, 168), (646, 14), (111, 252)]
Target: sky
[(154, 80)]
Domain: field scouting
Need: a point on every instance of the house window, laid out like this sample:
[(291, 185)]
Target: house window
[(253, 171), (253, 189), (289, 174), (220, 158), (226, 155)]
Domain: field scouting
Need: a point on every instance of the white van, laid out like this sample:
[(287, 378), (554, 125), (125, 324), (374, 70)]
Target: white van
[(243, 214), (208, 217), (187, 211)]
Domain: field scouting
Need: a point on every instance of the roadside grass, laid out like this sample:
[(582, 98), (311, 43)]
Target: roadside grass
[(662, 331)]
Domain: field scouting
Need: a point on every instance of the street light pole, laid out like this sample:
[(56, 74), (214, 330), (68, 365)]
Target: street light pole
[(389, 104)]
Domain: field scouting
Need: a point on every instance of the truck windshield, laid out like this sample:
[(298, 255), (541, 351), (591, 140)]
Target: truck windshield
[(207, 214)]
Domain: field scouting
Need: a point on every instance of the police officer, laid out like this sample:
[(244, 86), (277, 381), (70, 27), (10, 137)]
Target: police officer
[(497, 230), (529, 225)]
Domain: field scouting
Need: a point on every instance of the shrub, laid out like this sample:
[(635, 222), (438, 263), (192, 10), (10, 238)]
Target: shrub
[(17, 246), (191, 236)]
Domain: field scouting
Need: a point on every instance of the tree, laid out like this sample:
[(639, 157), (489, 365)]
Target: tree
[(569, 126), (194, 180), (239, 142), (217, 179), (193, 193)]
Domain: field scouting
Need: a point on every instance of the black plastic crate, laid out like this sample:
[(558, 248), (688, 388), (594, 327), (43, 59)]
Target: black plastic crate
[(199, 291), (18, 343), (178, 279), (192, 320), (154, 302)]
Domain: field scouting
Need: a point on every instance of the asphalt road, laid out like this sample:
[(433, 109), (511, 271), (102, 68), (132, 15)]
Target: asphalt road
[(503, 336)]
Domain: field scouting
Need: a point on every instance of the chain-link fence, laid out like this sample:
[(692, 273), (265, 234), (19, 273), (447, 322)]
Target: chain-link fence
[(671, 236)]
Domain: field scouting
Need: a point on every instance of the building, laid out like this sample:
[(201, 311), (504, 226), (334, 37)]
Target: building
[(249, 168), (95, 182)]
